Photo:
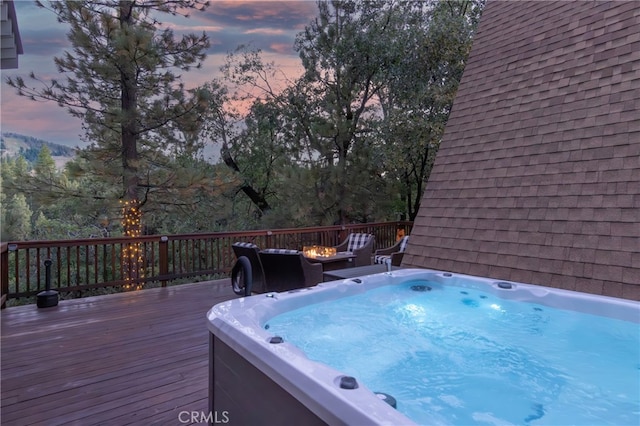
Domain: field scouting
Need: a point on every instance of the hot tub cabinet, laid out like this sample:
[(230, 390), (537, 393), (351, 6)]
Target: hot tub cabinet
[(243, 395)]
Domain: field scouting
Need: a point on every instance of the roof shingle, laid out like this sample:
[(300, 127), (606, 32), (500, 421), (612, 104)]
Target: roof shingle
[(538, 175)]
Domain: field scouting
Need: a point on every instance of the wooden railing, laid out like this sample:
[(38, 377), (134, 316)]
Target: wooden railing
[(81, 265)]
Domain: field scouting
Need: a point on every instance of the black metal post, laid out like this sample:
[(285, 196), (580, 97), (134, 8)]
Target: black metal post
[(48, 297)]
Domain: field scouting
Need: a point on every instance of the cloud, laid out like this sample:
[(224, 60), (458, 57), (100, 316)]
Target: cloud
[(39, 119), (44, 43), (265, 31), (283, 48), (46, 38), (267, 25), (270, 26), (285, 15), (194, 28)]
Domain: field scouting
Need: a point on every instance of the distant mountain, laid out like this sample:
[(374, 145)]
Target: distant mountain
[(13, 145)]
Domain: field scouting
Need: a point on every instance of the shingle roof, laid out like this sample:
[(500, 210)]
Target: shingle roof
[(538, 176)]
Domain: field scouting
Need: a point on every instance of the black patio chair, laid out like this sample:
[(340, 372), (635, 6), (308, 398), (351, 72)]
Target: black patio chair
[(288, 270), (250, 251)]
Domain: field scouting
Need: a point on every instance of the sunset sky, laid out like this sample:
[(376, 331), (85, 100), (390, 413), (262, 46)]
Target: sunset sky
[(268, 25)]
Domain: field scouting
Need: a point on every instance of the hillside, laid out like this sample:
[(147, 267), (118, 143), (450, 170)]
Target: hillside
[(13, 144)]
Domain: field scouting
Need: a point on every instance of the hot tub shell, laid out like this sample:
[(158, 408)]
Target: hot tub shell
[(254, 379)]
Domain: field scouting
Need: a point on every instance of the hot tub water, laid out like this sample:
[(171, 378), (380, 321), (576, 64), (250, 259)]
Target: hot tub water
[(458, 355)]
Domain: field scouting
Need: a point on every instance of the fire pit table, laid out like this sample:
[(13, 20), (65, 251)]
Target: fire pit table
[(328, 257)]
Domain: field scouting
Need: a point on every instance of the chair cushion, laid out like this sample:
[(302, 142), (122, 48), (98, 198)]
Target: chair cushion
[(357, 240), (403, 243), (382, 259), (247, 245), (280, 251)]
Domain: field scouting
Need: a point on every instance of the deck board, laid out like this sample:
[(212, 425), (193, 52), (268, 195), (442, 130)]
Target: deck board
[(129, 358)]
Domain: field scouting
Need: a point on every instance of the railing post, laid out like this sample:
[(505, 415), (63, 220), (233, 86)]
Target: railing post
[(163, 248), (4, 274), (342, 234)]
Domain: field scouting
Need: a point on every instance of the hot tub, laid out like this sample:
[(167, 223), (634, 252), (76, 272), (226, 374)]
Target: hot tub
[(257, 377)]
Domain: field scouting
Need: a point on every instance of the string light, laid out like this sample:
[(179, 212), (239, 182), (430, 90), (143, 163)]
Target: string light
[(132, 260)]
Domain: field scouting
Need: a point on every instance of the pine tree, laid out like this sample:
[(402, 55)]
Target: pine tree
[(16, 220), (122, 82), (45, 166)]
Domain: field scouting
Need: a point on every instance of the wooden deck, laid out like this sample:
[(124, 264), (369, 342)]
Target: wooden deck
[(129, 358)]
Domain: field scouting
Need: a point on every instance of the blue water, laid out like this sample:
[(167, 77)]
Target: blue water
[(451, 355)]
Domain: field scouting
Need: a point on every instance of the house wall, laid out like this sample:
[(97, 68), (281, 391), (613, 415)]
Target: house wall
[(538, 176), (10, 41)]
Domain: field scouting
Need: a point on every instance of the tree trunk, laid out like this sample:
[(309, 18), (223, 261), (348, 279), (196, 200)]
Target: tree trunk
[(256, 198), (128, 103), (132, 216)]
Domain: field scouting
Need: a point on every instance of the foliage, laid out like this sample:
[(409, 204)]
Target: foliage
[(56, 209), (16, 219), (122, 81), (415, 110), (352, 139)]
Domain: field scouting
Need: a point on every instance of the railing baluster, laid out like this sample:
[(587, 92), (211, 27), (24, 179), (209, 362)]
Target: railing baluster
[(38, 277), (77, 272), (27, 255), (58, 264), (195, 254), (87, 264), (68, 264), (103, 268), (163, 247), (96, 269), (191, 254), (113, 262), (16, 258), (218, 252), (174, 258), (153, 259)]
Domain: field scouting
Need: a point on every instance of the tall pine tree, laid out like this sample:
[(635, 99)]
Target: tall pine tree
[(120, 79)]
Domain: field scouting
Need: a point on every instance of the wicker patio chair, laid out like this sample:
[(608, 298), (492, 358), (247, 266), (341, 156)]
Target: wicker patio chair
[(250, 251), (361, 245), (288, 269), (392, 254)]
